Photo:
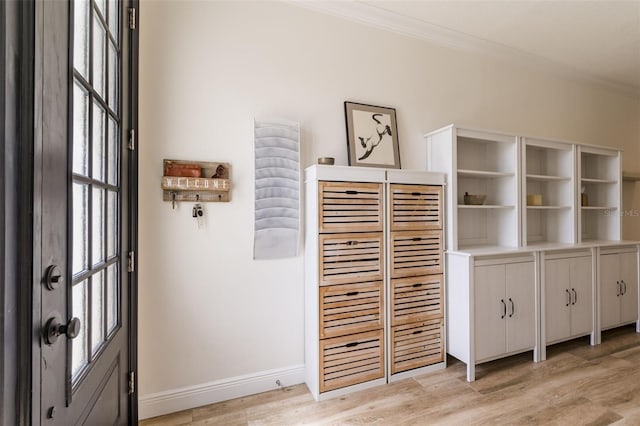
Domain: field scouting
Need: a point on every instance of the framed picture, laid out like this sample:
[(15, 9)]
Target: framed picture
[(372, 135)]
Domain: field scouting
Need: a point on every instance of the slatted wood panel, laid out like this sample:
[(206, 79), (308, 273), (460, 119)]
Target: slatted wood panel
[(350, 207), (352, 359), (350, 308), (415, 207), (416, 253), (416, 299), (416, 345), (349, 258)]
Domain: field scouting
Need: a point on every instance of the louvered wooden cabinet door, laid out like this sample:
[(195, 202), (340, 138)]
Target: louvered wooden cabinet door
[(350, 207), (351, 359), (415, 207), (415, 253), (416, 299), (351, 308), (417, 345), (350, 258)]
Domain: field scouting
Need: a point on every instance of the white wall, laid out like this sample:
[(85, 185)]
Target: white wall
[(209, 314)]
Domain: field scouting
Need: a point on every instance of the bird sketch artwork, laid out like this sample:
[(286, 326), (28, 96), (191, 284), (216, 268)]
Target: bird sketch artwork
[(374, 137)]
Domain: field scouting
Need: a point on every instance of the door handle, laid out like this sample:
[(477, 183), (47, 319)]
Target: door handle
[(575, 296), (53, 329), (568, 297), (619, 288), (624, 291), (504, 309), (513, 308)]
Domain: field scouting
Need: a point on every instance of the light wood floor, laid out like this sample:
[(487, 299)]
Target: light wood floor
[(577, 385)]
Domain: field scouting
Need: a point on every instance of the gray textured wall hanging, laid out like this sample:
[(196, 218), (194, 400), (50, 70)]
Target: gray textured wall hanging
[(277, 189)]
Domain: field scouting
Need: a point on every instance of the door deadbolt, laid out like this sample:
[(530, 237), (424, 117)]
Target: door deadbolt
[(53, 277), (53, 329)]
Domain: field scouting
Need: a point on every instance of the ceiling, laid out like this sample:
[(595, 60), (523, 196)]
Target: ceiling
[(596, 40)]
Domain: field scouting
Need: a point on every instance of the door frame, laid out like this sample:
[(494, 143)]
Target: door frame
[(21, 208)]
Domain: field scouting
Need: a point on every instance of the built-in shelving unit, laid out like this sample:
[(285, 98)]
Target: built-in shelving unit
[(548, 169), (480, 163), (599, 193)]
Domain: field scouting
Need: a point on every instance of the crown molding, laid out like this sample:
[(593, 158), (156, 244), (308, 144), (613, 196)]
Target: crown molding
[(373, 16)]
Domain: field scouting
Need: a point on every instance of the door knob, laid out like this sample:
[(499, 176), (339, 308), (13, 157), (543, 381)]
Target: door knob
[(53, 329), (53, 277)]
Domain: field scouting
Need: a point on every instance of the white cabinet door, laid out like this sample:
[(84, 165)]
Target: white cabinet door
[(609, 290), (490, 307), (581, 288), (520, 299), (629, 277), (557, 299)]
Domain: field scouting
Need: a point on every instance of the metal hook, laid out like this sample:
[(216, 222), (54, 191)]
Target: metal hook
[(197, 197), (173, 200)]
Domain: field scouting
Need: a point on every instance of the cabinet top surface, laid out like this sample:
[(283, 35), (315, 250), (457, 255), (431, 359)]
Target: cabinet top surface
[(372, 174), (501, 250)]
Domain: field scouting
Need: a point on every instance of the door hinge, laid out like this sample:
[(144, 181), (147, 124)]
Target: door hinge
[(132, 382), (132, 18), (132, 140), (131, 264)]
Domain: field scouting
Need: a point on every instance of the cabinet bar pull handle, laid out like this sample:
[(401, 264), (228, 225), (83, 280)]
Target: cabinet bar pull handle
[(417, 285), (416, 194), (619, 288), (352, 243), (417, 332), (513, 308), (569, 299), (352, 293), (351, 192), (504, 309), (351, 345), (625, 287), (575, 296)]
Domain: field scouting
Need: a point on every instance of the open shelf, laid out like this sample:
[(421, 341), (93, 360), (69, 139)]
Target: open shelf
[(484, 206), (548, 207), (599, 208), (605, 181), (483, 174), (548, 177)]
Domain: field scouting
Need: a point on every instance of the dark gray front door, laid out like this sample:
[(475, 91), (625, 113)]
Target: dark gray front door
[(83, 222)]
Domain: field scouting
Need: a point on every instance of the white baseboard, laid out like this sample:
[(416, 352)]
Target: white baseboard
[(170, 401)]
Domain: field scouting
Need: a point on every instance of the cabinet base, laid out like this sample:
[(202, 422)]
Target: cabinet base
[(346, 390), (417, 371)]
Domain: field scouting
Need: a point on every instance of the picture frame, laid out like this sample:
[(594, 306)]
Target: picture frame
[(372, 135)]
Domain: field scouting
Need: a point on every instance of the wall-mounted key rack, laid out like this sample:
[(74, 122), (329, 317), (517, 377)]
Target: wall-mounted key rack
[(197, 181)]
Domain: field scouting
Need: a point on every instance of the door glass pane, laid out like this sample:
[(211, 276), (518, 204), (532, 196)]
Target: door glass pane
[(113, 18), (79, 344), (112, 298), (113, 76), (81, 37), (97, 311), (112, 223), (99, 117), (80, 130), (80, 228), (97, 228), (112, 161), (99, 45)]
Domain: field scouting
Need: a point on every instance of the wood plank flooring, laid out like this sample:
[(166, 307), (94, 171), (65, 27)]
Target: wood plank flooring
[(577, 385)]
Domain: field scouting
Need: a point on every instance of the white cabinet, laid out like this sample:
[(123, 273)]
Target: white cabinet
[(504, 306), (618, 288), (568, 296), (491, 307)]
